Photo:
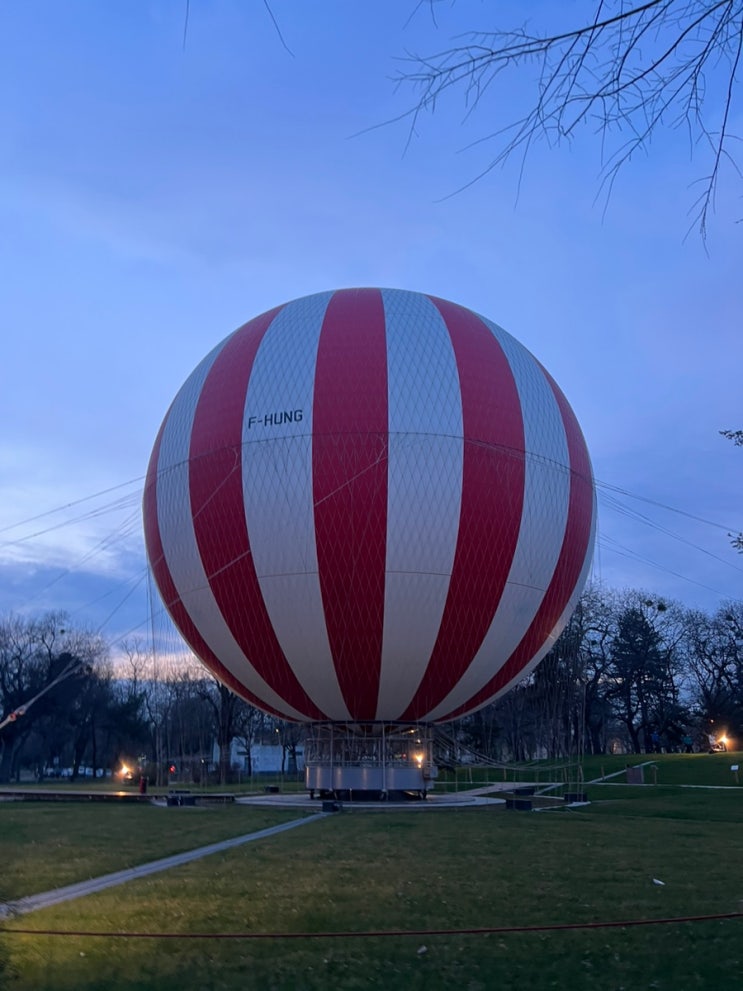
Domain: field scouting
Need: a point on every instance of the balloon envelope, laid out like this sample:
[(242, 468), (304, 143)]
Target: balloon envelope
[(370, 505)]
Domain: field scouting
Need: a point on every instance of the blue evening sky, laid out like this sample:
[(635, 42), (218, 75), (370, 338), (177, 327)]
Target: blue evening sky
[(154, 197)]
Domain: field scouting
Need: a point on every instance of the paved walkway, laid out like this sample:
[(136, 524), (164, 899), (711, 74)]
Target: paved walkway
[(47, 898)]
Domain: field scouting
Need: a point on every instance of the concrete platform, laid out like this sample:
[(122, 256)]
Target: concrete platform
[(482, 797)]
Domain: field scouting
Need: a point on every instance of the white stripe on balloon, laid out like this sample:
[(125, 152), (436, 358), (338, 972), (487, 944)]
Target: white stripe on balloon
[(179, 541), (424, 491), (277, 492)]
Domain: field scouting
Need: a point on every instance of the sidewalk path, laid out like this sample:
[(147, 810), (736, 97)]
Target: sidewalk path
[(47, 898)]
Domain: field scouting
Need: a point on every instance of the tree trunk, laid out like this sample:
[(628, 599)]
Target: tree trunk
[(224, 761), (6, 762)]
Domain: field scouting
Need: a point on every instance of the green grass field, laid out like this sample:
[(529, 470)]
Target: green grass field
[(380, 871), (48, 845), (696, 769)]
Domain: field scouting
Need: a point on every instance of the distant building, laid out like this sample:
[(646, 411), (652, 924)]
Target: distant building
[(265, 758)]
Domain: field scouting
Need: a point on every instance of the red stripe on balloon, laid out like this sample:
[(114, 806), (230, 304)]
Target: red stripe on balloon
[(169, 593), (349, 469), (575, 547), (217, 505), (491, 505)]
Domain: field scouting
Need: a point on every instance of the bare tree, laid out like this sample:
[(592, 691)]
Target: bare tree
[(628, 71), (47, 681), (230, 716), (715, 666), (736, 436), (250, 727)]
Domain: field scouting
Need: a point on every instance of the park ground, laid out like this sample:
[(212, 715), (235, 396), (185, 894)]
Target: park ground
[(452, 898)]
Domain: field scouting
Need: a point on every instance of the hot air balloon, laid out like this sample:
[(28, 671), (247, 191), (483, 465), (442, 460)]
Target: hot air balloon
[(370, 510)]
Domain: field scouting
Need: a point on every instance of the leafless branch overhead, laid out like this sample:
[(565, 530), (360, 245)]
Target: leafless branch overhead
[(627, 72)]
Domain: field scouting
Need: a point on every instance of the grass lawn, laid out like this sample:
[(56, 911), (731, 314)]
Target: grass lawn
[(697, 769), (48, 845), (672, 769), (449, 869)]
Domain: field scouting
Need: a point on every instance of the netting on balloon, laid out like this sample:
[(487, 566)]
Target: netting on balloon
[(281, 540)]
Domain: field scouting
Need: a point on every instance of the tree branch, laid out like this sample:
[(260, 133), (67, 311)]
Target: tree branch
[(665, 62)]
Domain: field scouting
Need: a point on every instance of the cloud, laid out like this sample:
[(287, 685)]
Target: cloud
[(99, 533)]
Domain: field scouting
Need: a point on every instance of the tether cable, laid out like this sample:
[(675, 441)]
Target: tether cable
[(380, 933)]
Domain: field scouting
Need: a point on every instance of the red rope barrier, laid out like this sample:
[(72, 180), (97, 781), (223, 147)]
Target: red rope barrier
[(380, 933)]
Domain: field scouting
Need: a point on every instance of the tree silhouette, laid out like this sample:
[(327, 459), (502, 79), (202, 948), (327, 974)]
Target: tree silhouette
[(627, 72), (736, 436)]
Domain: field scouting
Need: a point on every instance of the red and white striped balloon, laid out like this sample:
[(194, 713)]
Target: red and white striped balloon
[(370, 504)]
